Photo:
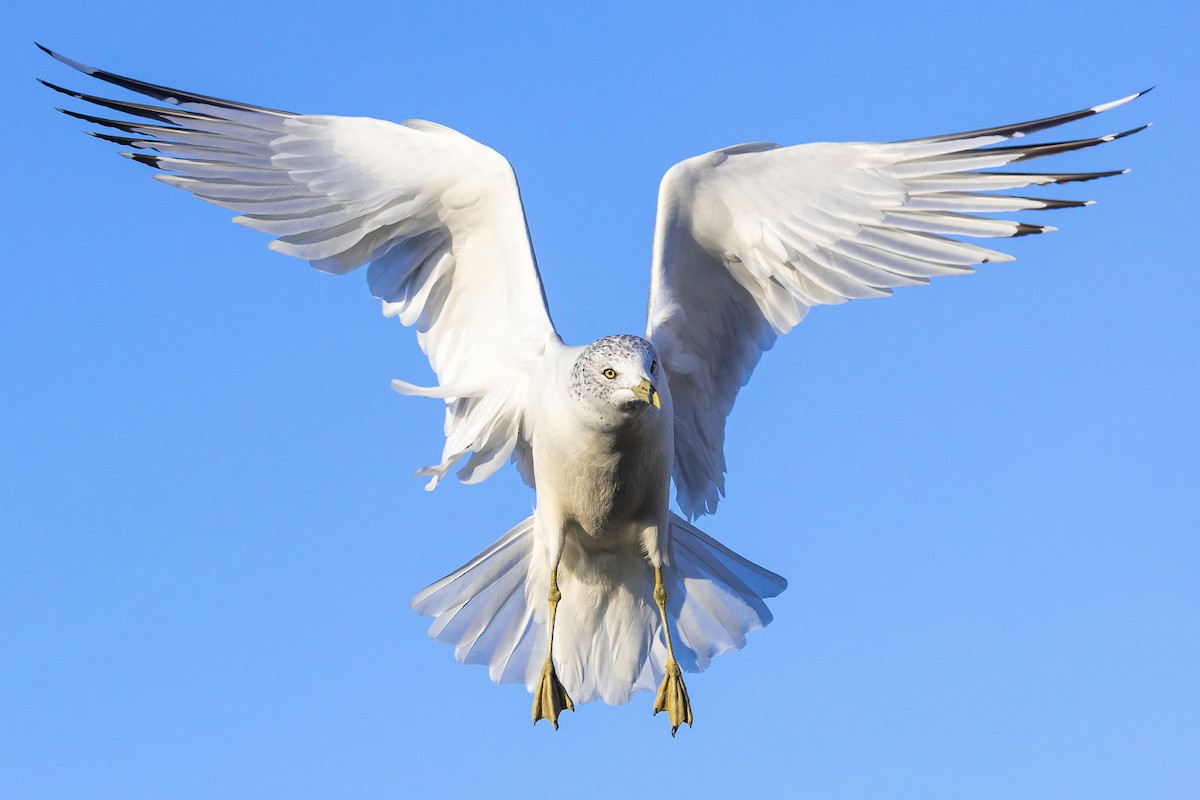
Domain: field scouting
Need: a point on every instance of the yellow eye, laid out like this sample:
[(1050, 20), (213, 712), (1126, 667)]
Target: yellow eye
[(610, 373)]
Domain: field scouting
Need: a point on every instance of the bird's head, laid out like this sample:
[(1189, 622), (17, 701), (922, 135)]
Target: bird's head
[(619, 372)]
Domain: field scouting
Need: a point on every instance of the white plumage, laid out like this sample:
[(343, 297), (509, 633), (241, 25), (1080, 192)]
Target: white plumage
[(748, 239), (492, 611)]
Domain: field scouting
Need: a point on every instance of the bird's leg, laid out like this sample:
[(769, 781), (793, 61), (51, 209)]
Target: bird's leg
[(549, 698), (672, 694)]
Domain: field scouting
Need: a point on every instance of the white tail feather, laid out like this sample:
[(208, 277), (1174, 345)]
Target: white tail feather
[(714, 596), (608, 641)]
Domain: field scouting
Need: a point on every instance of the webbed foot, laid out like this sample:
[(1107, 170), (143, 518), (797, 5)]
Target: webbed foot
[(550, 698), (673, 697)]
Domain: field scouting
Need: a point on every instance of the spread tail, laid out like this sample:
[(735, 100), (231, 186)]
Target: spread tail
[(608, 640)]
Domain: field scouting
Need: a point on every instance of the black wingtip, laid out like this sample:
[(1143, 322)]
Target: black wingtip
[(1032, 126), (70, 62), (1130, 132), (1050, 203), (124, 141), (1142, 93), (59, 89), (1024, 229), (142, 158), (163, 94), (1080, 177)]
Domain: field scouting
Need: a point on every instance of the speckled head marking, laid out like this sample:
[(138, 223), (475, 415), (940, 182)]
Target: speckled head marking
[(612, 364)]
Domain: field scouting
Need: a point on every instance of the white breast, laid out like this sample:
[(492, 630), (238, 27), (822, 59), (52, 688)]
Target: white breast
[(607, 479)]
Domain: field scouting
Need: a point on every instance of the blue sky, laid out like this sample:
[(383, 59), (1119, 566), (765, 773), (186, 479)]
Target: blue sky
[(984, 492)]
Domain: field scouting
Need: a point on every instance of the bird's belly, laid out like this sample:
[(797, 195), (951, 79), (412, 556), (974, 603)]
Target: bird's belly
[(608, 495)]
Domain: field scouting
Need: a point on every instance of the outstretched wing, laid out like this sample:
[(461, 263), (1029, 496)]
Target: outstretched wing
[(749, 238), (436, 214)]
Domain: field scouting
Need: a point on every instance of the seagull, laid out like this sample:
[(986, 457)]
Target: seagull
[(603, 591)]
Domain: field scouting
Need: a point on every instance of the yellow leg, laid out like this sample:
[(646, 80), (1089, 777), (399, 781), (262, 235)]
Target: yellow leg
[(550, 697), (672, 694)]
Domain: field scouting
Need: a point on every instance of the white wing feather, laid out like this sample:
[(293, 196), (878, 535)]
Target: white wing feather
[(749, 238), (436, 214)]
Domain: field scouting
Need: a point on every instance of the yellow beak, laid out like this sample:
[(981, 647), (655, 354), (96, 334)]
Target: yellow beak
[(646, 392)]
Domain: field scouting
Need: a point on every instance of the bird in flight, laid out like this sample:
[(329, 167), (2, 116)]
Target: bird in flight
[(603, 591)]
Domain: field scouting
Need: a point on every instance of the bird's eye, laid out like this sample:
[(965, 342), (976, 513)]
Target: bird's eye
[(610, 373), (653, 366)]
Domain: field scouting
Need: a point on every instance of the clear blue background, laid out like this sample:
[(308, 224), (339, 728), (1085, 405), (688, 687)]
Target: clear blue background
[(984, 492)]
